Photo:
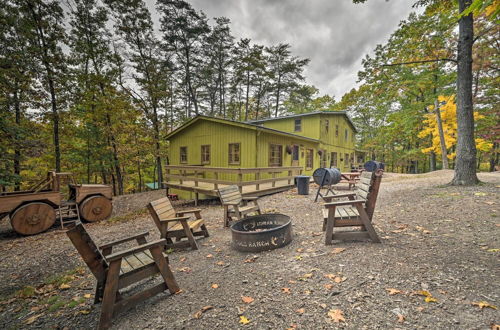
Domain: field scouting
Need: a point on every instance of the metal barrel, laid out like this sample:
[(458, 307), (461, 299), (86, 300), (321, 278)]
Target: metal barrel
[(373, 165), (332, 176), (302, 182)]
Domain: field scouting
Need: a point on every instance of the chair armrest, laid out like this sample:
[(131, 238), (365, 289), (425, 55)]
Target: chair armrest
[(181, 213), (250, 198), (123, 240), (140, 248), (329, 198), (174, 219), (342, 203), (230, 204)]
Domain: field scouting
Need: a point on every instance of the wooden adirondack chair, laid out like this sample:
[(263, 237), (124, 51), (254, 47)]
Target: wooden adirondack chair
[(174, 224), (119, 270), (236, 205), (357, 211)]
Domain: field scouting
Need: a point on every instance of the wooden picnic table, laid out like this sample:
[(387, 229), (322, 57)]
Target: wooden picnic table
[(351, 178)]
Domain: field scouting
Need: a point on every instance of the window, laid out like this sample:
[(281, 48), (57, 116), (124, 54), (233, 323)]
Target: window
[(327, 125), (298, 125), (295, 152), (336, 130), (334, 160), (183, 155), (275, 155), (234, 153), (346, 134), (346, 159), (309, 158), (205, 154), (323, 158)]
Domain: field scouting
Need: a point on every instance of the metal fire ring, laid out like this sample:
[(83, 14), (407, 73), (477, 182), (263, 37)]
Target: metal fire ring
[(262, 232)]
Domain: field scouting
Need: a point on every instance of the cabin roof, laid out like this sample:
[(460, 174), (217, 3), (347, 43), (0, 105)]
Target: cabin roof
[(342, 113), (246, 125)]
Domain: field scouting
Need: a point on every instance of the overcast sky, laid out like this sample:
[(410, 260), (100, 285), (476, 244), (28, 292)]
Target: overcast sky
[(334, 34)]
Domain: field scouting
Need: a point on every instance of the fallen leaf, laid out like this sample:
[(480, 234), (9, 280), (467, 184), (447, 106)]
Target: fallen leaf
[(64, 286), (339, 279), (184, 269), (32, 319), (244, 320), (298, 257), (84, 311), (484, 304), (286, 290), (423, 293), (336, 315), (495, 327), (179, 292), (330, 276), (182, 259), (493, 250), (314, 234), (337, 250), (292, 281), (251, 259), (199, 313), (309, 275), (300, 250), (430, 299), (489, 203), (480, 194), (246, 299), (328, 286), (401, 318), (392, 291), (300, 310), (215, 286), (220, 263), (87, 296), (210, 255)]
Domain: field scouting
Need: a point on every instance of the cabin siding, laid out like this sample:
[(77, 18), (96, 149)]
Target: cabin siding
[(310, 126)]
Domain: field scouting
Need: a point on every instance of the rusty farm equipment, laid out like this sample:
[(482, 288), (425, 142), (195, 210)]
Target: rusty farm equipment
[(35, 210)]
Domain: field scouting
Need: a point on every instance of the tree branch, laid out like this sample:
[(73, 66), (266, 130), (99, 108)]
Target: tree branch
[(422, 61)]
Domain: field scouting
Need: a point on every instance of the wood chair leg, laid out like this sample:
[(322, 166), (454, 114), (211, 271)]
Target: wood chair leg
[(110, 291), (330, 223), (189, 235), (324, 225), (163, 267), (367, 224), (226, 216), (205, 231)]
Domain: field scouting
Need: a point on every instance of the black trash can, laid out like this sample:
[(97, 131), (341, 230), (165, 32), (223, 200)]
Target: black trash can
[(302, 182)]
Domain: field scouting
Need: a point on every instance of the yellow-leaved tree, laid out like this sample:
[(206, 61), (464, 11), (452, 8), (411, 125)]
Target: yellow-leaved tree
[(448, 112)]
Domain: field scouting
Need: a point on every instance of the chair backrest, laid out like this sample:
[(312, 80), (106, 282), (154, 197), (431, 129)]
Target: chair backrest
[(230, 195), (162, 209), (88, 250), (367, 189)]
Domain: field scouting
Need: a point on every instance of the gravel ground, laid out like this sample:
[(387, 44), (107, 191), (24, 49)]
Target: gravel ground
[(437, 240)]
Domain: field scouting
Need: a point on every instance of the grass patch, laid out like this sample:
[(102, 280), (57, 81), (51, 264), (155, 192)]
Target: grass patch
[(65, 277), (26, 292), (129, 216), (56, 305)]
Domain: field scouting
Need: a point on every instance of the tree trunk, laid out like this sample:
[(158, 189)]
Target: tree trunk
[(17, 147), (494, 157), (444, 153), (247, 96), (465, 164)]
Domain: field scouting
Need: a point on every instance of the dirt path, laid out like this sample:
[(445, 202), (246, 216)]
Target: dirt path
[(438, 239)]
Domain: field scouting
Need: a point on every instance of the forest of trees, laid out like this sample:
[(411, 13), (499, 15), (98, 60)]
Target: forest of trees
[(415, 73), (93, 87)]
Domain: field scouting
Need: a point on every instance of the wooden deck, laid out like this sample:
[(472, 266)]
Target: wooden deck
[(205, 180), (208, 189)]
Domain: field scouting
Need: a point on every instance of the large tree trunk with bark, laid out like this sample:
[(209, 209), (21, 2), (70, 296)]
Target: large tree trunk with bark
[(465, 165)]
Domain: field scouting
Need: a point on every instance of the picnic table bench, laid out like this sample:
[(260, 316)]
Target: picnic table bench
[(357, 211)]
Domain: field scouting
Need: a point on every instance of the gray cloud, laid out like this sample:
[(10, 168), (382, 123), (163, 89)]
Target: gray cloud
[(334, 34)]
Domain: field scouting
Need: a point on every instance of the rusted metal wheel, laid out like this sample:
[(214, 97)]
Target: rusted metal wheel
[(96, 208), (33, 218)]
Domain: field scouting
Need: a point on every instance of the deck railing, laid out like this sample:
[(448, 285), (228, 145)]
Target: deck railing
[(224, 176)]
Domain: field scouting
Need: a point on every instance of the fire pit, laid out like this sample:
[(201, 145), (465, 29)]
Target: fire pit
[(262, 232)]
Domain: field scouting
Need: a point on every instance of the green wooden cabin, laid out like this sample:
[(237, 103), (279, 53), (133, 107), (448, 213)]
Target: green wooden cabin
[(312, 140)]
